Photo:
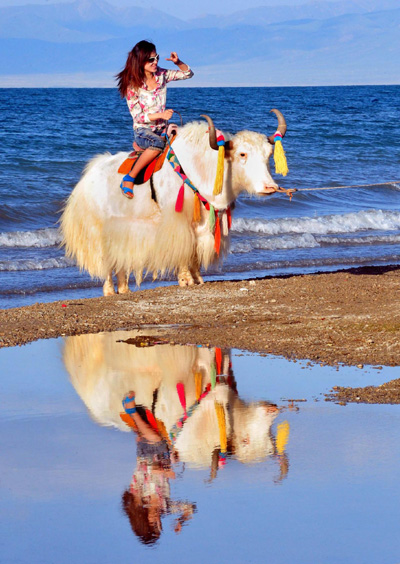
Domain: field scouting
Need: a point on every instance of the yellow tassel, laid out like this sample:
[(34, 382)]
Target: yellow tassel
[(196, 209), (220, 171), (197, 384), (282, 437), (281, 166), (219, 408)]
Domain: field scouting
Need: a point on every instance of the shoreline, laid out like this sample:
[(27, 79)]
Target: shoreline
[(349, 317)]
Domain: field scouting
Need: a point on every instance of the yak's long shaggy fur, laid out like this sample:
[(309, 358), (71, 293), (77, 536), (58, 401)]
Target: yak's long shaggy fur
[(103, 231)]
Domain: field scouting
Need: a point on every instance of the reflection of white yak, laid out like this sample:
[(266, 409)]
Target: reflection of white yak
[(102, 370), (105, 232)]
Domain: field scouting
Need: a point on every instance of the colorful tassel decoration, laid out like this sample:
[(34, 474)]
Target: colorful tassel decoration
[(196, 209), (229, 217), (219, 179), (282, 436), (281, 166), (225, 226), (211, 218), (217, 235), (179, 200)]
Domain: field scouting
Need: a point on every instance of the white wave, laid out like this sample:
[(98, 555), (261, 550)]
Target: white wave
[(32, 264), (306, 241), (312, 263), (323, 225), (367, 240), (38, 238)]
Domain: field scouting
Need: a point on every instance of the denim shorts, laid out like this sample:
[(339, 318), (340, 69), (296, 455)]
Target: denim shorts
[(147, 139), (152, 451)]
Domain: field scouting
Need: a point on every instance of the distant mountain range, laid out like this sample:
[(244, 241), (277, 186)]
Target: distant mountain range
[(85, 43)]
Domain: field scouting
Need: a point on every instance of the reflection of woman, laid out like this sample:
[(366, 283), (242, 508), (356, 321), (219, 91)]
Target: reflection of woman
[(148, 497)]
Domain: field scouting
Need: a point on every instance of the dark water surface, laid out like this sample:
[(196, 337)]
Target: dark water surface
[(308, 482), (336, 136)]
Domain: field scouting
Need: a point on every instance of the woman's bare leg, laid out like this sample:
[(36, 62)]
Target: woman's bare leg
[(145, 158)]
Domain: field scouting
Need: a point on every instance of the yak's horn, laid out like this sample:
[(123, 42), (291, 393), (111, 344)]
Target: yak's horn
[(213, 135), (212, 132), (281, 125)]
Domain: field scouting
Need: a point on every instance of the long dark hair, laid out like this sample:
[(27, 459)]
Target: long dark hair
[(138, 516), (133, 73)]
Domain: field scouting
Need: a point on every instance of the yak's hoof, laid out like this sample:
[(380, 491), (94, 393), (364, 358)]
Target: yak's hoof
[(124, 290), (185, 279), (108, 289)]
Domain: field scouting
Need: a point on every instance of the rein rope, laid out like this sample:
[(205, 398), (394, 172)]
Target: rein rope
[(350, 186)]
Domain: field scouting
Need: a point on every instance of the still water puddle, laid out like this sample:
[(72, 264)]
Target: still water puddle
[(216, 465)]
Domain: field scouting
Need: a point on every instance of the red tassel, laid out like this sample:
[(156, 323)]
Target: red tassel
[(179, 200), (180, 388), (218, 360), (229, 216), (217, 234)]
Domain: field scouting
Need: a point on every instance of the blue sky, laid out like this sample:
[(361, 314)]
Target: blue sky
[(273, 43), (180, 8)]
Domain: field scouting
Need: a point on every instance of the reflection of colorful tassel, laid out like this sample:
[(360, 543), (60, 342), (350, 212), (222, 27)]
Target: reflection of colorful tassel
[(218, 359), (213, 376), (180, 388), (196, 209), (279, 155), (217, 235), (197, 384), (282, 436), (219, 408), (219, 178), (179, 200)]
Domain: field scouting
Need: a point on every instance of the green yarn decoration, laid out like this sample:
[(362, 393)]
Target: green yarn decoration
[(213, 376), (211, 218)]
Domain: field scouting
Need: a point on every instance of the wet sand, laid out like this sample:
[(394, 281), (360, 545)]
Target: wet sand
[(350, 317)]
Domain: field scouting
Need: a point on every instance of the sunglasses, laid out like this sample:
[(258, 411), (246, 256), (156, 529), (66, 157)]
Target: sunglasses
[(153, 59)]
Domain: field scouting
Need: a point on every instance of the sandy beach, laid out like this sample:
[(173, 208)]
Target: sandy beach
[(350, 317)]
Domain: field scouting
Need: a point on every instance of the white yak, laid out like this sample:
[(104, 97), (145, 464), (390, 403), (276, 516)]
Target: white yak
[(103, 370), (104, 232)]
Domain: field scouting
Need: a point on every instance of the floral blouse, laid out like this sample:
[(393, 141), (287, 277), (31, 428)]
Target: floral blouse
[(143, 101)]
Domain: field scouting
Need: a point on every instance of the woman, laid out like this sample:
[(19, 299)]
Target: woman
[(144, 85)]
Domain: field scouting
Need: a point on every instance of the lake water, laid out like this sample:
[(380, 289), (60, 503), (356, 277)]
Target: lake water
[(309, 482), (336, 136)]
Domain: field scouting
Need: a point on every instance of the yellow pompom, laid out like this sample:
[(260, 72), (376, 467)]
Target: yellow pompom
[(282, 436), (281, 166), (220, 171)]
